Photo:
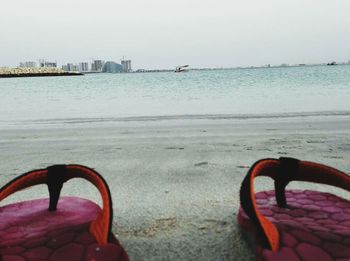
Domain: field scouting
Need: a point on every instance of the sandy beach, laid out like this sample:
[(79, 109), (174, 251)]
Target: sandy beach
[(175, 183)]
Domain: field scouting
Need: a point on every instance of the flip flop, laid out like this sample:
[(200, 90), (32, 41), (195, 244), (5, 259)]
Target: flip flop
[(66, 228), (296, 224)]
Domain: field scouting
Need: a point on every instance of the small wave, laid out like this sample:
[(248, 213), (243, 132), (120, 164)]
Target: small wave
[(184, 117)]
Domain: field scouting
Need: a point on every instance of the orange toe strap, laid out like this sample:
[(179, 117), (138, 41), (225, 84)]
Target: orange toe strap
[(100, 228), (283, 171)]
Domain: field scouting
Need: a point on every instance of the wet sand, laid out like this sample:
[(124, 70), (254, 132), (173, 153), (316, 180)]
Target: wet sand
[(175, 184)]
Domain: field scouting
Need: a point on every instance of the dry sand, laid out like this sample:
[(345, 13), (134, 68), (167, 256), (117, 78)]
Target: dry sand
[(175, 184)]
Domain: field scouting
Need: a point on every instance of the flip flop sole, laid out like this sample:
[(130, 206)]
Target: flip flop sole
[(314, 226), (28, 231)]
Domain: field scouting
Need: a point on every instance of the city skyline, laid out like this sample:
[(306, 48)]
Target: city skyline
[(164, 34), (97, 65)]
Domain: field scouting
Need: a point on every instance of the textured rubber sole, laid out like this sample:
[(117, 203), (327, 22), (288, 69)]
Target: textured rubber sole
[(314, 226), (28, 231)]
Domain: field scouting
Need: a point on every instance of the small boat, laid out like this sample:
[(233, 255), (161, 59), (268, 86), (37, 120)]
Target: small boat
[(183, 68), (332, 63)]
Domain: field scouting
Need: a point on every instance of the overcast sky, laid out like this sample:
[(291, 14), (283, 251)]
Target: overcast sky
[(166, 33)]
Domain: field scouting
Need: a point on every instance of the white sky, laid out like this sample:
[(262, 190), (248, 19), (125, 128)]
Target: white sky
[(166, 33)]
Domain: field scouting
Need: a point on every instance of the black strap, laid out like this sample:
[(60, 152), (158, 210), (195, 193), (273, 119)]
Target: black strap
[(288, 169), (56, 176)]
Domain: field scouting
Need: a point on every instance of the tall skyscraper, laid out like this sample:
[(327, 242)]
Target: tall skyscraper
[(126, 65), (70, 67), (93, 67), (83, 67), (97, 65)]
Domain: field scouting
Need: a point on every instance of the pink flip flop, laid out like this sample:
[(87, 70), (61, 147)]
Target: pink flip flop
[(296, 224), (68, 229)]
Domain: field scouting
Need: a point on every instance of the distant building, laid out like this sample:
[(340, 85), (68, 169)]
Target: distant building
[(112, 67), (83, 67), (28, 64), (47, 64), (75, 68), (97, 65), (126, 65), (70, 67)]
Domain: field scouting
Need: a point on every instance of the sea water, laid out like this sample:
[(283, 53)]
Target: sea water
[(197, 93)]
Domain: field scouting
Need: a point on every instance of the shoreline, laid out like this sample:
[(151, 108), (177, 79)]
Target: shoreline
[(190, 119)]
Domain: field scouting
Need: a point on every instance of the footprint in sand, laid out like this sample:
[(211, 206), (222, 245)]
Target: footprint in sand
[(243, 167), (217, 225), (203, 163), (159, 225), (333, 157), (174, 148), (315, 141)]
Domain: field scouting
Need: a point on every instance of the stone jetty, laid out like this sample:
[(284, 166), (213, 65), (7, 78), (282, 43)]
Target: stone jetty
[(34, 72)]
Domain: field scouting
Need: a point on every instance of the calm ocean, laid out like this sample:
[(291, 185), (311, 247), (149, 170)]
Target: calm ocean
[(215, 93)]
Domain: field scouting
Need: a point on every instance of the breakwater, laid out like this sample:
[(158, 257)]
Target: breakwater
[(34, 72)]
